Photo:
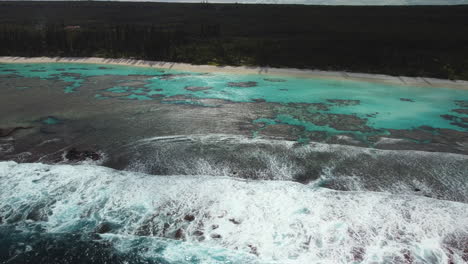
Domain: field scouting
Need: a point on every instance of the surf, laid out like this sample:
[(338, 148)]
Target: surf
[(263, 221)]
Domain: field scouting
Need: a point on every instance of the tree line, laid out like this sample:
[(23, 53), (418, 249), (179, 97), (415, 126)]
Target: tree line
[(218, 42), (127, 41)]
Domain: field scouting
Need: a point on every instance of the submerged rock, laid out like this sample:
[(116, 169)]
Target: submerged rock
[(372, 114), (461, 111), (341, 122), (197, 88), (358, 253), (242, 84), (456, 121), (462, 103), (170, 76), (343, 102), (234, 221), (319, 106), (253, 250), (274, 80), (179, 234), (105, 227), (38, 212), (215, 236), (189, 218), (308, 107), (76, 155)]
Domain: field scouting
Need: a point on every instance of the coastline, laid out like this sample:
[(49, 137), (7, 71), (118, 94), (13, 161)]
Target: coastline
[(290, 72)]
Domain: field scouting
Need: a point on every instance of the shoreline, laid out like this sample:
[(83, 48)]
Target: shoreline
[(287, 72)]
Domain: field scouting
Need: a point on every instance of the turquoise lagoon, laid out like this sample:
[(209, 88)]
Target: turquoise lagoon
[(382, 106)]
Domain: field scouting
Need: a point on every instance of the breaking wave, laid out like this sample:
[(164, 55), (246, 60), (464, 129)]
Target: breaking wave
[(338, 167), (131, 217)]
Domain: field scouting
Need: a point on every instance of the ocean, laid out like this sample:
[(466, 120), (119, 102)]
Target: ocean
[(121, 164)]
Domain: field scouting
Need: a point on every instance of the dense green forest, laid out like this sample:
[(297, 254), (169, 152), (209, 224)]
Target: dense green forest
[(412, 41)]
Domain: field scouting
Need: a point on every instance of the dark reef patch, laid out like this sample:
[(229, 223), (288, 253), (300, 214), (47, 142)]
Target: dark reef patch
[(7, 131), (343, 122), (284, 131), (114, 94), (342, 102), (462, 103), (197, 88), (170, 76), (304, 107), (319, 107), (10, 76), (178, 97), (456, 121), (242, 84), (77, 155), (274, 80), (133, 83), (418, 134), (461, 111), (372, 115), (427, 139), (71, 74)]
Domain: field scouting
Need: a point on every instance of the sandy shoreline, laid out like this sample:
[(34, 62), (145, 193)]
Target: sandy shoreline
[(378, 78)]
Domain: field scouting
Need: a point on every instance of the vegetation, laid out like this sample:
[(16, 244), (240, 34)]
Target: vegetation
[(412, 41)]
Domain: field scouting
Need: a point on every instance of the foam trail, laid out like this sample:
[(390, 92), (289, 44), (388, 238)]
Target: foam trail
[(260, 221), (434, 174)]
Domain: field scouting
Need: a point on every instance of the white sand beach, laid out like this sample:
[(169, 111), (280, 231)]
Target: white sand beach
[(303, 73)]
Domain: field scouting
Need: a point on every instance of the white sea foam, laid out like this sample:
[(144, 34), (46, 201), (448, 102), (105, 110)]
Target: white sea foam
[(6, 148), (434, 174), (273, 221)]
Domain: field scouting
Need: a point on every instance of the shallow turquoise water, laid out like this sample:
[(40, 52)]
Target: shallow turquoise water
[(380, 104)]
